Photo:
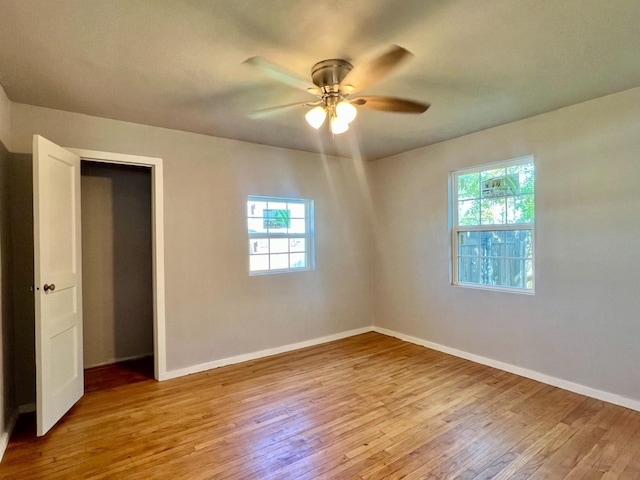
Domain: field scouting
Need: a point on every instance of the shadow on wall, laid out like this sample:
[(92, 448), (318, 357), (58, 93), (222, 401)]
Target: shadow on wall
[(21, 193), (7, 382)]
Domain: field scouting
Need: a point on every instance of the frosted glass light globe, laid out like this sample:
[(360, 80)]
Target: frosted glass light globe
[(315, 117), (346, 112), (338, 125)]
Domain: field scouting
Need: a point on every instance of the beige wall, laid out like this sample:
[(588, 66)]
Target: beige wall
[(582, 323), (116, 262), (579, 326), (214, 310)]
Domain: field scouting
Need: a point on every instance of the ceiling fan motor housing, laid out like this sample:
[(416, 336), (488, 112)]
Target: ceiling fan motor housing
[(329, 73)]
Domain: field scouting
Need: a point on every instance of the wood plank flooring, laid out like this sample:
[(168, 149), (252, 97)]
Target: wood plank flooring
[(366, 407)]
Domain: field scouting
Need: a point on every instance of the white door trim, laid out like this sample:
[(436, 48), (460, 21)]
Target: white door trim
[(157, 209)]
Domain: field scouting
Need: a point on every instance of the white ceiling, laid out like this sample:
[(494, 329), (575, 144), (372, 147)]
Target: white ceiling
[(179, 64)]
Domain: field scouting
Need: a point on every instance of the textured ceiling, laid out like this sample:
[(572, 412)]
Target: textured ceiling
[(179, 64)]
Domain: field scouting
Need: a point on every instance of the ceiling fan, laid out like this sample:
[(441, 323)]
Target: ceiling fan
[(335, 82)]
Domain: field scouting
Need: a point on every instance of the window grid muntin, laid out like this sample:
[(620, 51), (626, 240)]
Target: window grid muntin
[(528, 164), (269, 234)]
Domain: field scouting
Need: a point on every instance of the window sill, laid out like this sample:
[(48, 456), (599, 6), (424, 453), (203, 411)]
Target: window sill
[(519, 291)]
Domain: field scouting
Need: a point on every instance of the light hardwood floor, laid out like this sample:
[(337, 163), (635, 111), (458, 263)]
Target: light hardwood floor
[(370, 407)]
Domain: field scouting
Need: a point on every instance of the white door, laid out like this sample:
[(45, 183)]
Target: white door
[(58, 282)]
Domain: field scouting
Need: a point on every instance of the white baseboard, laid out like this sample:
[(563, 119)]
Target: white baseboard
[(507, 367), (262, 353), (523, 372), (6, 435)]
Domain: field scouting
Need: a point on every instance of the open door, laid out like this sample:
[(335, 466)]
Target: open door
[(58, 282)]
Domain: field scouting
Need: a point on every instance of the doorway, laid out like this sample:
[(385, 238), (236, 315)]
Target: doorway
[(153, 166), (117, 282)]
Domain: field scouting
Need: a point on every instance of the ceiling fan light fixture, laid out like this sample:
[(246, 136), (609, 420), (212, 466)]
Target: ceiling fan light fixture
[(346, 111), (335, 81), (316, 116), (338, 125)]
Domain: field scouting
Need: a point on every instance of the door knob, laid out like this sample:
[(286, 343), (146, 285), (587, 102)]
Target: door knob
[(51, 287)]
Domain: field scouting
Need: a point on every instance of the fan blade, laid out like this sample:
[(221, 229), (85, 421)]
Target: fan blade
[(365, 74), (282, 75), (391, 104), (268, 112)]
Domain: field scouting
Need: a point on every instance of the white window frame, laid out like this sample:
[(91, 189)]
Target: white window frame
[(456, 228), (308, 236)]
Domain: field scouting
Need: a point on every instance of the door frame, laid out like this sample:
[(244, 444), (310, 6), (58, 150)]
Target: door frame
[(157, 245)]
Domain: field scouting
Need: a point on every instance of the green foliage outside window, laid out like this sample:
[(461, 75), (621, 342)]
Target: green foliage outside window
[(475, 209)]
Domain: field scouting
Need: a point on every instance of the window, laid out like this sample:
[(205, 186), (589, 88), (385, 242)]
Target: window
[(280, 235), (493, 217)]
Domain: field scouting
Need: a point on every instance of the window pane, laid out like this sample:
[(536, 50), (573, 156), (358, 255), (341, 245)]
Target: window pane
[(497, 245), (514, 273), (258, 263), (469, 186), (297, 226), (490, 243), (277, 229), (469, 212), (524, 174), (487, 175), (277, 206), (493, 211), (297, 245), (254, 209), (276, 219), (515, 169), (297, 210), (279, 261), (279, 245), (519, 244), (516, 175), (469, 270), (298, 260), (470, 251), (499, 258), (468, 243), (520, 209), (528, 267), (259, 246), (255, 225), (501, 186)]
